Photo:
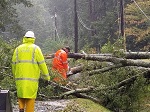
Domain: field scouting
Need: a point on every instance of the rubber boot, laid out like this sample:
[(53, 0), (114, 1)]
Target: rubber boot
[(21, 110)]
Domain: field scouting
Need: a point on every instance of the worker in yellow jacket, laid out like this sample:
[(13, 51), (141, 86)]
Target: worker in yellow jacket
[(27, 63)]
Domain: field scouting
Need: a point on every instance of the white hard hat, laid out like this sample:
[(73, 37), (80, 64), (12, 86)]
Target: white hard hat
[(29, 34)]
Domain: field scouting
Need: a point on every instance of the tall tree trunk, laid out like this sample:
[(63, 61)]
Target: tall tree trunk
[(75, 26), (91, 17)]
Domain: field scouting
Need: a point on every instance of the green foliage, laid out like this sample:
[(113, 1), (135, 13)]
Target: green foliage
[(127, 98), (107, 48), (84, 105), (6, 78), (106, 27), (51, 45), (6, 51), (44, 92), (4, 3), (8, 83), (9, 26), (88, 49), (116, 48), (119, 43), (137, 26)]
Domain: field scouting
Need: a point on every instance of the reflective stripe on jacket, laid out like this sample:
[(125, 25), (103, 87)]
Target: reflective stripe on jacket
[(60, 62), (27, 62)]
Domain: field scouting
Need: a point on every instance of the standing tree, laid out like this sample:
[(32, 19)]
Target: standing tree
[(137, 29), (9, 26)]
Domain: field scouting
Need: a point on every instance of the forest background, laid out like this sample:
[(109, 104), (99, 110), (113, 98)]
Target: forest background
[(53, 24)]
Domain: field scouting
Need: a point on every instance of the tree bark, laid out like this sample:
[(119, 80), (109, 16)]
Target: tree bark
[(124, 62), (82, 90), (137, 55), (79, 95), (127, 55), (79, 92), (77, 69), (90, 73)]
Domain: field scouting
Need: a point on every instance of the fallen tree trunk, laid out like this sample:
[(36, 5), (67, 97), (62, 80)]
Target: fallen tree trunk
[(113, 67), (79, 92), (146, 71), (130, 80), (50, 56), (103, 69), (76, 69), (80, 68), (127, 55), (92, 72), (80, 55), (146, 74), (125, 62), (137, 55), (3, 67), (76, 55), (82, 90), (79, 95)]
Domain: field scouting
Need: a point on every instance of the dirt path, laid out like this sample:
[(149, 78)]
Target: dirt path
[(47, 106)]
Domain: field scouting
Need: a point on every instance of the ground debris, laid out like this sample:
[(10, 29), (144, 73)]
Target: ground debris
[(48, 106)]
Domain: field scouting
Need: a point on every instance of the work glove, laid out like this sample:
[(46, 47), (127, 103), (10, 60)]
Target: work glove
[(46, 83), (69, 73), (68, 68)]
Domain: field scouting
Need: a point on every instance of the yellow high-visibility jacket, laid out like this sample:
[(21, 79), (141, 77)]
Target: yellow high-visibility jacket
[(27, 62)]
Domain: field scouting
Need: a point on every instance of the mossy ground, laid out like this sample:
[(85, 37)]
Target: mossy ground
[(84, 105)]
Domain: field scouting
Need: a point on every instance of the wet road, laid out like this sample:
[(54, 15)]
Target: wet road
[(47, 106)]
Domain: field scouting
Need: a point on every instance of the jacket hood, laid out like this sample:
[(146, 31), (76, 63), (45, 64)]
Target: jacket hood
[(28, 40)]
